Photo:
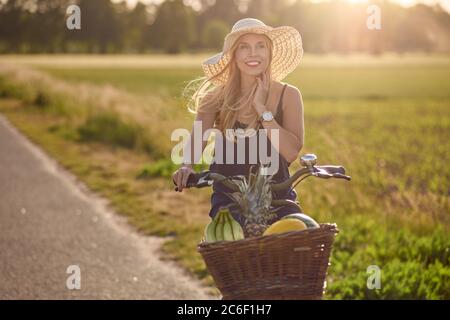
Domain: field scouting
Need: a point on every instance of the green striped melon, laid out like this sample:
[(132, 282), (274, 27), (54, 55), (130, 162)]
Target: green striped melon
[(223, 228)]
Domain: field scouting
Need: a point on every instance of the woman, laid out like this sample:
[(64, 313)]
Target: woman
[(243, 90)]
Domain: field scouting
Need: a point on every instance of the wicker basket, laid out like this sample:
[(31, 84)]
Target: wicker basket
[(289, 266)]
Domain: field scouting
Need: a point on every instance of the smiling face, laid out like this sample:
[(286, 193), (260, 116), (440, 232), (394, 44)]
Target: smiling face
[(252, 54)]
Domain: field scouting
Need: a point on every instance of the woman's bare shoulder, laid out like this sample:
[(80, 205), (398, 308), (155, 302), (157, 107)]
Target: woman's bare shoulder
[(291, 91), (289, 87), (292, 96)]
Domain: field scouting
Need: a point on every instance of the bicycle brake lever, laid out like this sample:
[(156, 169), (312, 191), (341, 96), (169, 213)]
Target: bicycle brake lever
[(341, 176), (204, 182), (321, 173)]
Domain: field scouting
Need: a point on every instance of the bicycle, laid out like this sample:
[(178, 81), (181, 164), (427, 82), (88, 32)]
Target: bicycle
[(291, 265)]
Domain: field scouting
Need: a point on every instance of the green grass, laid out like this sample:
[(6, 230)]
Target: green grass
[(142, 82), (314, 82), (107, 127), (387, 121)]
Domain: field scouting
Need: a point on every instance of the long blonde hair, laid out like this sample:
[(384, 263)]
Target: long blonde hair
[(225, 99)]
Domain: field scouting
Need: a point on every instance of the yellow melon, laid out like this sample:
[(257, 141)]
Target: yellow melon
[(285, 225)]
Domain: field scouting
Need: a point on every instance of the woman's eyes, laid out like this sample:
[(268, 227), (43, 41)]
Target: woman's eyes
[(244, 46)]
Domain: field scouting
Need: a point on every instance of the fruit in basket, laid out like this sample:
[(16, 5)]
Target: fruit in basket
[(285, 225), (223, 228), (253, 200), (310, 222)]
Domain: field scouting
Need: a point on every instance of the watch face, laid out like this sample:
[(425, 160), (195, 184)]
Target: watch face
[(267, 116)]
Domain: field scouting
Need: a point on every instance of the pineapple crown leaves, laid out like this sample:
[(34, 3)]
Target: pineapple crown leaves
[(254, 196)]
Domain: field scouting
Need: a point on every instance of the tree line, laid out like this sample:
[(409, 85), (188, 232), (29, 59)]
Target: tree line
[(174, 26)]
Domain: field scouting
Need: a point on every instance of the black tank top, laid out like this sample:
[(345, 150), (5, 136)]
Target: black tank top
[(243, 169)]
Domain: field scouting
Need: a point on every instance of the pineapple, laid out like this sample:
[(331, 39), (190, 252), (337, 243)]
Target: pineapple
[(254, 199)]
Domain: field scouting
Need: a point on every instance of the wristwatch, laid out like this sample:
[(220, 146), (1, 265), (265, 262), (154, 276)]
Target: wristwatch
[(266, 116)]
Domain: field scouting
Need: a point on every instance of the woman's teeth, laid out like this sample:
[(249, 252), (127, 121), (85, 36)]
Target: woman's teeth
[(253, 63)]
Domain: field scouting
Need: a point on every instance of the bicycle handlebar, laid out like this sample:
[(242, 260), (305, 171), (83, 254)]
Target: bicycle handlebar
[(207, 178)]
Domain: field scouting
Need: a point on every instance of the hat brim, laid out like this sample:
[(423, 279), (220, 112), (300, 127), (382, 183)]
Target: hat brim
[(287, 52)]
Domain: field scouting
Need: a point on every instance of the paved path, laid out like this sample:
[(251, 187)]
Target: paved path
[(49, 221)]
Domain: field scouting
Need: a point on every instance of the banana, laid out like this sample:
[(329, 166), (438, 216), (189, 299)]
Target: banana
[(227, 229), (238, 232), (220, 226), (209, 232)]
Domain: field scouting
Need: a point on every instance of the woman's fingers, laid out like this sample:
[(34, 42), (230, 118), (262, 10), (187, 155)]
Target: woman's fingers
[(258, 79), (181, 177), (178, 180), (263, 85), (265, 81), (180, 183), (185, 178), (174, 178)]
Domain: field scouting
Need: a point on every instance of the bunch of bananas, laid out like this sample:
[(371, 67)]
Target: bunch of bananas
[(223, 228)]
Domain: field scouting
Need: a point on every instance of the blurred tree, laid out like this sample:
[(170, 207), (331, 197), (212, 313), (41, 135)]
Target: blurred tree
[(135, 25), (214, 33), (174, 25), (224, 10), (312, 21), (12, 25), (100, 25), (268, 11), (173, 29), (46, 26)]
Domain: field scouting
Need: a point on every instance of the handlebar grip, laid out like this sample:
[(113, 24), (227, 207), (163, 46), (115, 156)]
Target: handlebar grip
[(332, 169), (342, 176), (193, 179), (321, 173)]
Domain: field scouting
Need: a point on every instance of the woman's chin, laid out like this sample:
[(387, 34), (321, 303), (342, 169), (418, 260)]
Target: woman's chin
[(253, 73)]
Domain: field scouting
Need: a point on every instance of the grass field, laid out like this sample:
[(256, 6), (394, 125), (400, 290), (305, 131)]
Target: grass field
[(386, 119)]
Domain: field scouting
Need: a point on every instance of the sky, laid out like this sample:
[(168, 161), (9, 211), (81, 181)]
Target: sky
[(406, 3)]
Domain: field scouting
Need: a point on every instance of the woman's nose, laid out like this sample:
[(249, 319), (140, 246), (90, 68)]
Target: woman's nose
[(253, 53)]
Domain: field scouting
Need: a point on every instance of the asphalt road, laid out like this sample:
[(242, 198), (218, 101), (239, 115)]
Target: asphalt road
[(49, 222)]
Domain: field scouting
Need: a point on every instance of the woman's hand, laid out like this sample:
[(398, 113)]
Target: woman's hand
[(181, 175), (261, 93)]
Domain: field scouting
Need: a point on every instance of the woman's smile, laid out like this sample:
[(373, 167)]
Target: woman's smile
[(253, 63)]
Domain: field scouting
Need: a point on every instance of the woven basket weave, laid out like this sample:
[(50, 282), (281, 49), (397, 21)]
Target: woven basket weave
[(288, 266)]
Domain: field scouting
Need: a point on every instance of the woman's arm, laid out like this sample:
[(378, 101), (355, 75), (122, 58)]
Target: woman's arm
[(181, 175), (291, 135)]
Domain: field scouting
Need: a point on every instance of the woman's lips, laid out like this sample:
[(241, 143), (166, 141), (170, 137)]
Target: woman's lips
[(253, 64)]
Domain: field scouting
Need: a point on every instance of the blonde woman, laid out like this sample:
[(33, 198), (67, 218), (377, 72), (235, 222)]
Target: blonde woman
[(243, 90)]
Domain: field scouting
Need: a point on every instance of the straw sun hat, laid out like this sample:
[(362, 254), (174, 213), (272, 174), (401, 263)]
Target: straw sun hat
[(286, 55)]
